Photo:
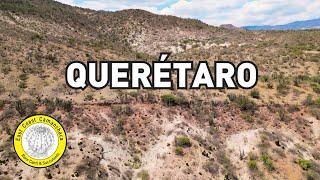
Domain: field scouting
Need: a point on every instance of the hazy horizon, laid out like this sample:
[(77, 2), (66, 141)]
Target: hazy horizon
[(236, 12)]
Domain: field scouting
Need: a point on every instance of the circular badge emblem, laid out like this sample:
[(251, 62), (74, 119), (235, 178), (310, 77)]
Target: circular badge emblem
[(40, 141)]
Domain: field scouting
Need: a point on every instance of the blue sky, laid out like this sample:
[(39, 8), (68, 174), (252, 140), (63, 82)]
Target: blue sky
[(216, 12)]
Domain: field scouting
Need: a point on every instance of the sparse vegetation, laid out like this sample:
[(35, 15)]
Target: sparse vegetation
[(179, 151), (243, 102), (252, 164), (88, 97), (211, 167), (2, 103), (122, 110), (255, 94), (267, 161), (182, 141), (169, 99), (304, 164)]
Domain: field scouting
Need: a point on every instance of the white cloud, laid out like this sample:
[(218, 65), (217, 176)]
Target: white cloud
[(216, 12)]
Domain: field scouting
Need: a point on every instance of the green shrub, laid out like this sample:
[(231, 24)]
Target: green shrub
[(304, 164), (169, 99), (179, 151), (309, 100), (1, 104), (255, 94), (252, 165), (316, 87), (182, 141), (264, 78), (88, 97), (267, 162)]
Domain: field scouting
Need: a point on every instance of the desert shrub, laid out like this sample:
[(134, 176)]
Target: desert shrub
[(7, 113), (304, 164), (309, 100), (23, 77), (72, 42), (52, 104), (151, 97), (2, 89), (255, 94), (228, 170), (173, 100), (232, 97), (315, 112), (264, 78), (247, 117), (136, 164), (317, 101), (269, 85), (293, 108), (91, 169), (119, 126), (297, 80), (182, 141), (245, 104), (312, 175), (283, 116), (88, 97), (211, 167), (179, 151), (22, 85), (120, 110), (182, 100), (65, 105), (316, 155), (1, 104), (252, 165), (267, 161), (36, 36), (283, 85), (25, 107), (144, 175), (316, 87), (169, 99)]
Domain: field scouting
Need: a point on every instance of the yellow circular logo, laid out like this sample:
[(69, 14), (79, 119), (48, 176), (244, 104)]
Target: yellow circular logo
[(40, 141)]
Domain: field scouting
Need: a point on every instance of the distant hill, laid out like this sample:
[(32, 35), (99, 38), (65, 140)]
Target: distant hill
[(228, 26), (298, 25)]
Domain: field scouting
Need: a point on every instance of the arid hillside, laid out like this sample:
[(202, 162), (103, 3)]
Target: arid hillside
[(269, 132)]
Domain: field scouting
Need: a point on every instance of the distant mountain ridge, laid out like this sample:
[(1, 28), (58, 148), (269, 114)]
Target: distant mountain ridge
[(298, 25)]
